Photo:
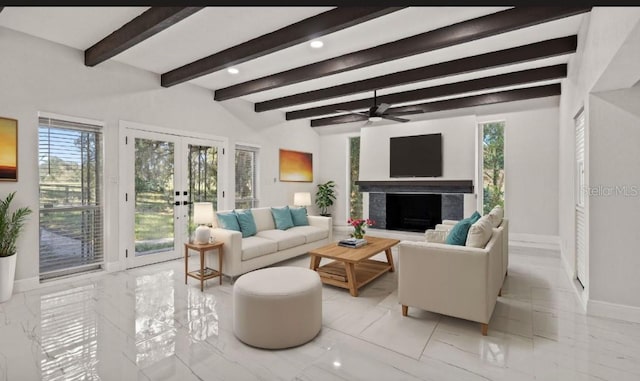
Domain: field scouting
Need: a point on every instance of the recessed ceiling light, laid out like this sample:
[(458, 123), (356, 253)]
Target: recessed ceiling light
[(233, 70), (316, 44)]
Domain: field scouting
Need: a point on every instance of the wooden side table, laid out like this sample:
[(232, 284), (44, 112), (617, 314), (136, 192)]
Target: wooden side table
[(205, 272)]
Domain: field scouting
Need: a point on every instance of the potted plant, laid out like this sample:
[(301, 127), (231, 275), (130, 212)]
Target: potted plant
[(11, 225), (325, 196)]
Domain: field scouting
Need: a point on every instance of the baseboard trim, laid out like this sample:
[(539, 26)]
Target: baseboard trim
[(581, 293), (535, 240), (613, 311), (27, 284), (114, 266)]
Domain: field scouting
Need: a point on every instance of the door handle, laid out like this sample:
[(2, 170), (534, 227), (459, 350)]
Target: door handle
[(187, 202)]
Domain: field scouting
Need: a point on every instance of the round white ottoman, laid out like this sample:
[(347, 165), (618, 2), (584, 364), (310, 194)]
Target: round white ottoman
[(277, 307)]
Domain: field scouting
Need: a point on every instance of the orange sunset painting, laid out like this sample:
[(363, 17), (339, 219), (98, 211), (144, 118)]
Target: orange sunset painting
[(296, 166), (8, 149)]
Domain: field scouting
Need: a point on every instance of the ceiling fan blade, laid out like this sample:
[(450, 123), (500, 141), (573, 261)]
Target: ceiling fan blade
[(394, 118), (353, 112), (382, 108)]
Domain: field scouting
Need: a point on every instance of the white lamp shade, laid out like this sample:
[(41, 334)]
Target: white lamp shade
[(203, 213), (302, 199)]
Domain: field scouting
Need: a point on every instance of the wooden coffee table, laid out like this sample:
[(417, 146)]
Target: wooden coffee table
[(352, 268)]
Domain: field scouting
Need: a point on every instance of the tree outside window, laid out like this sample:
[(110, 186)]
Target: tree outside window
[(493, 165), (355, 196)]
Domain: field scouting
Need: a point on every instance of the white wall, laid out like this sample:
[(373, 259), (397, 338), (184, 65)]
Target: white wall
[(37, 75), (614, 263), (531, 171), (604, 32)]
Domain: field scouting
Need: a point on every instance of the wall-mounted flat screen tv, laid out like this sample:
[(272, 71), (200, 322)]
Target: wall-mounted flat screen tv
[(416, 156)]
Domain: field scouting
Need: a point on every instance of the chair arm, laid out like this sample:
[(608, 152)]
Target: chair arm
[(231, 264)]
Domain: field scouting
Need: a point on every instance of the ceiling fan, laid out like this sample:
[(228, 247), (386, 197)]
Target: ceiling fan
[(377, 112)]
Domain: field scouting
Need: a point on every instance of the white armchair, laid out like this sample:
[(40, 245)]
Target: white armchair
[(458, 281)]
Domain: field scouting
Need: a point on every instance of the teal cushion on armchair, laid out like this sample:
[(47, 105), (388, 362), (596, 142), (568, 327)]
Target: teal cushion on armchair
[(458, 234)]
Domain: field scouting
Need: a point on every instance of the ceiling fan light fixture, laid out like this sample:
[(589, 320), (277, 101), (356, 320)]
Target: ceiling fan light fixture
[(375, 118), (233, 70), (316, 44)]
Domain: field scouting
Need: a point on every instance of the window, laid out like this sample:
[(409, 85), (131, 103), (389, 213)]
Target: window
[(246, 164), (355, 196), (492, 165), (71, 206)]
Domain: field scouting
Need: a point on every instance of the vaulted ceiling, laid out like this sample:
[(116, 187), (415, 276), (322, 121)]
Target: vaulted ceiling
[(418, 59)]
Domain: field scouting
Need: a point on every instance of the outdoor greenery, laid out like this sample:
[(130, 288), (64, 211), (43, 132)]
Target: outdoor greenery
[(245, 178), (325, 196), (493, 165), (11, 225), (355, 196)]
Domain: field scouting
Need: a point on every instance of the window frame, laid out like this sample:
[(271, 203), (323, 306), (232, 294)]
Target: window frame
[(255, 200)]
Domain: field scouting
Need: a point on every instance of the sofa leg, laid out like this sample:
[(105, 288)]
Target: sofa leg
[(485, 329), (405, 310)]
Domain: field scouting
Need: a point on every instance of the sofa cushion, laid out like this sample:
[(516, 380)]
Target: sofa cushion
[(228, 220), (299, 216), (282, 218), (458, 234), (263, 218), (436, 236), (246, 222), (253, 247), (284, 239), (480, 233), (310, 233), (496, 215)]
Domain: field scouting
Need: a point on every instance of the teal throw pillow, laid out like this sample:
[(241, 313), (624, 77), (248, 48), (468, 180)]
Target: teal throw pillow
[(458, 234), (475, 217), (228, 220), (299, 216), (282, 218), (246, 222)]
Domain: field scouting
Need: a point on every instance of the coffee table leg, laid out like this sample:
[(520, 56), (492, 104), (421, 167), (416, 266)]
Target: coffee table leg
[(315, 262), (390, 260), (351, 278)]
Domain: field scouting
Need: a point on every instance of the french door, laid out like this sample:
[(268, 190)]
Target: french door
[(162, 176)]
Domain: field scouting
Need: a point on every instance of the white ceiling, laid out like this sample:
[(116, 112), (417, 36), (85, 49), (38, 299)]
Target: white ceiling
[(216, 28)]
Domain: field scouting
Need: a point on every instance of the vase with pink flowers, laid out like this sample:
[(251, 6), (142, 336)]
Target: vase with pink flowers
[(359, 224)]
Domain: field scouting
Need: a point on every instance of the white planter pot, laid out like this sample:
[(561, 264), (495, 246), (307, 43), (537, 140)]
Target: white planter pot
[(7, 276)]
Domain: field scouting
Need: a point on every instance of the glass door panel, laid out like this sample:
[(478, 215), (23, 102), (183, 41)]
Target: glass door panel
[(154, 196)]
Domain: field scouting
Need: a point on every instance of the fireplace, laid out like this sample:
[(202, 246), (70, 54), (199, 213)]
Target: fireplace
[(413, 212)]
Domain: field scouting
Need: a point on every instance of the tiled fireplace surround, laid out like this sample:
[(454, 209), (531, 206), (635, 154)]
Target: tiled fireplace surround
[(452, 192)]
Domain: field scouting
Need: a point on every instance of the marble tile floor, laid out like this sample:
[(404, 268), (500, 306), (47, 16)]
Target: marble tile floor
[(146, 324)]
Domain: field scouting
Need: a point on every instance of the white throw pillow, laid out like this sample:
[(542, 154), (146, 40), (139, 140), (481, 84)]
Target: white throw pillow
[(436, 236), (496, 215), (480, 232)]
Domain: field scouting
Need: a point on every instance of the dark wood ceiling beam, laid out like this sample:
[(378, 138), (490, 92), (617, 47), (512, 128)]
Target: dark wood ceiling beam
[(1, 8), (535, 51), (452, 104), (486, 83), (152, 21), (466, 31), (305, 30)]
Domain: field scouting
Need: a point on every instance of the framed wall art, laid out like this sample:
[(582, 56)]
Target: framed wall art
[(8, 149), (296, 166)]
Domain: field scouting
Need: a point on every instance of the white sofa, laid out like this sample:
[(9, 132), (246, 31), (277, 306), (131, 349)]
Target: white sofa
[(459, 281), (269, 245)]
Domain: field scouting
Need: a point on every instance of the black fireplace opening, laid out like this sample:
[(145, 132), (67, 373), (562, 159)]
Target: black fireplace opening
[(413, 212)]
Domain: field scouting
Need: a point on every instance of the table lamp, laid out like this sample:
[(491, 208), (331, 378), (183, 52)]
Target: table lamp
[(202, 215), (302, 199)]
